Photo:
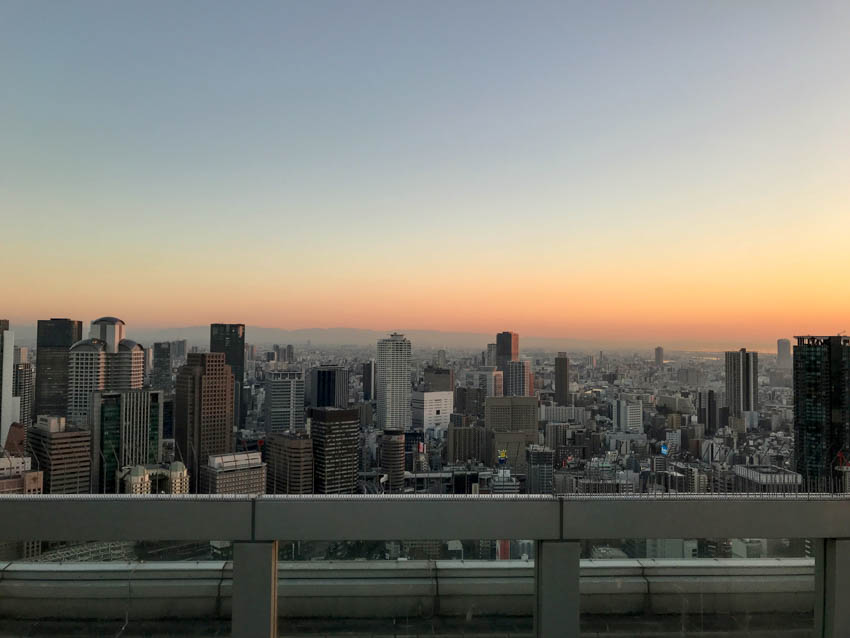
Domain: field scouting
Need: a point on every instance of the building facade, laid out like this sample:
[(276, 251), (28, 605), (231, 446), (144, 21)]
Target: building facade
[(63, 453), (229, 338), (742, 374), (235, 473), (329, 387), (821, 406), (126, 431), (53, 343), (203, 410), (393, 383), (284, 402), (336, 437), (562, 379), (289, 459)]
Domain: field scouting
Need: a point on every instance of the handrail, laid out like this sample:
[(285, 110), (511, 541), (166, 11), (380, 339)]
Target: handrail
[(98, 517)]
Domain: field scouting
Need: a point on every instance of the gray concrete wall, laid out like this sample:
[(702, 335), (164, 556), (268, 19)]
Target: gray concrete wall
[(379, 589)]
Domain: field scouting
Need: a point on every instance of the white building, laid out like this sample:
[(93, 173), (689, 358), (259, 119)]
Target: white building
[(283, 404), (628, 416), (105, 362), (393, 382), (9, 404), (432, 411)]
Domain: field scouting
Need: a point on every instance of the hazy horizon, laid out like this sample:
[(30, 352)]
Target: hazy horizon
[(609, 172)]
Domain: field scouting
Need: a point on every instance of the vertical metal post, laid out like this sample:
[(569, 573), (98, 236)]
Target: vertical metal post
[(556, 589), (254, 590), (832, 587)]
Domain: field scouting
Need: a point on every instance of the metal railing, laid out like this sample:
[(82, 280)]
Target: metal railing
[(558, 524)]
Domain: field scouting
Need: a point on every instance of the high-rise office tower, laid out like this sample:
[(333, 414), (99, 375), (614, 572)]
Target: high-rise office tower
[(659, 356), (235, 473), (562, 379), (518, 380), (336, 437), (439, 379), (126, 431), (289, 458), (369, 381), (284, 403), (540, 461), (329, 387), (708, 410), (8, 406), (229, 338), (22, 389), (203, 410), (821, 405), (393, 383), (507, 349), (469, 401), (63, 453), (470, 442), (290, 354), (161, 377), (178, 350), (491, 358), (742, 374), (105, 362), (489, 379), (783, 353), (441, 361)]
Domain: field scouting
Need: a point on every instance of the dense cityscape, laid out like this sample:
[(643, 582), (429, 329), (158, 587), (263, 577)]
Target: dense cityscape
[(100, 413)]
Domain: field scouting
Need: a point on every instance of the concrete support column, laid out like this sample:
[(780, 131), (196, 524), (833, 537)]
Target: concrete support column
[(556, 589), (832, 588), (254, 590)]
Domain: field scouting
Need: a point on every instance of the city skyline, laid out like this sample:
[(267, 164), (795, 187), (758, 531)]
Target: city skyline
[(662, 172)]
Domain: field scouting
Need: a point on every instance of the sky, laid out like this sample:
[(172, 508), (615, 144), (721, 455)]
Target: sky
[(612, 170)]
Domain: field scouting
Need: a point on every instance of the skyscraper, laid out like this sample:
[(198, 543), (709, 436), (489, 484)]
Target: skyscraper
[(562, 379), (627, 416), (659, 356), (161, 378), (126, 431), (284, 403), (490, 358), (507, 348), (229, 338), (369, 381), (203, 410), (336, 436), (783, 353), (105, 362), (821, 405), (708, 412), (540, 461), (62, 453), (329, 387), (8, 406), (22, 389), (289, 458), (393, 383), (742, 374), (518, 379)]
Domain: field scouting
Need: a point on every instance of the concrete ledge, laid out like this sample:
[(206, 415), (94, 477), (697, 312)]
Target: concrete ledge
[(386, 589)]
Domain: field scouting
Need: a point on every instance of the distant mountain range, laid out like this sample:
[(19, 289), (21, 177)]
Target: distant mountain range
[(200, 335)]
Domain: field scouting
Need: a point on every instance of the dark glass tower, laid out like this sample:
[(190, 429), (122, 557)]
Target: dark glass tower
[(507, 349), (821, 405), (562, 379), (54, 340), (229, 338)]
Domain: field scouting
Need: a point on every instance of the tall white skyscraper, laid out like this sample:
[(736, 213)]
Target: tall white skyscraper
[(8, 405), (284, 402), (393, 382), (105, 362)]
